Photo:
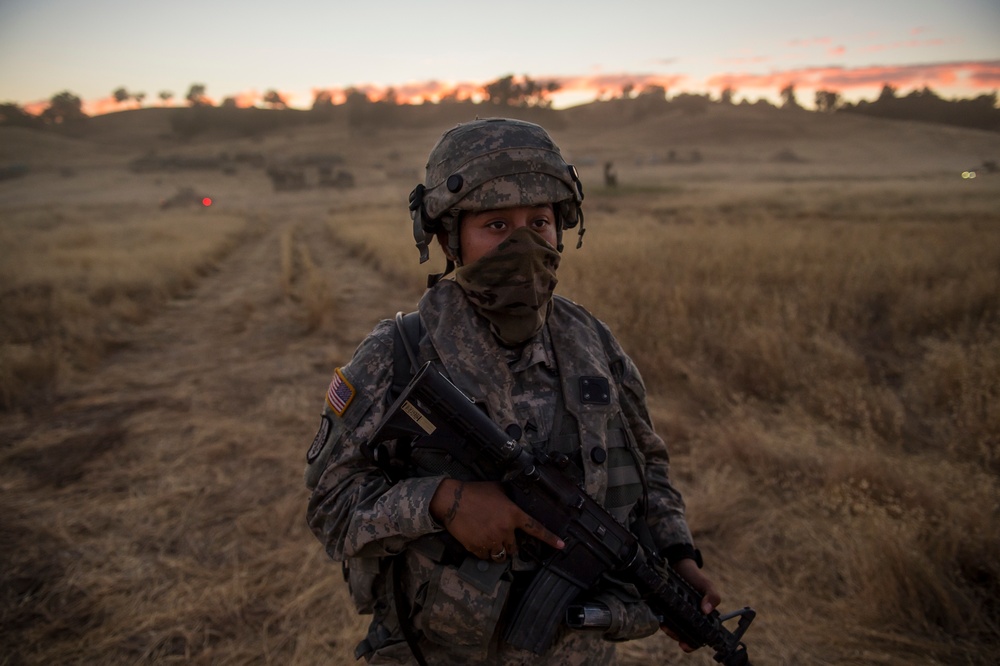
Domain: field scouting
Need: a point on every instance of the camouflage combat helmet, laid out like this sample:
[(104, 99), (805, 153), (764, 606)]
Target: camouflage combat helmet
[(488, 164)]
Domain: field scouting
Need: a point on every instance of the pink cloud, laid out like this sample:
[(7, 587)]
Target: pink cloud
[(976, 74)]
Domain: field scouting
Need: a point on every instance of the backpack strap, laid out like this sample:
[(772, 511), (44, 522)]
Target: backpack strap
[(405, 363), (406, 342)]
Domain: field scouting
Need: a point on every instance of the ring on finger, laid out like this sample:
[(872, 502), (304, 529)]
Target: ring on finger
[(499, 555)]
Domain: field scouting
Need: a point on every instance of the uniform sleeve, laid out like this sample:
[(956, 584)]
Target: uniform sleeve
[(353, 510), (665, 514)]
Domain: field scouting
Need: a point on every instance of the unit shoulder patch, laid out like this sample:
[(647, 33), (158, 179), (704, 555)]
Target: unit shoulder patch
[(320, 439), (340, 393)]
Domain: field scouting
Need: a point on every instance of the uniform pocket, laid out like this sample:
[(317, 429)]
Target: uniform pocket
[(363, 574), (463, 604)]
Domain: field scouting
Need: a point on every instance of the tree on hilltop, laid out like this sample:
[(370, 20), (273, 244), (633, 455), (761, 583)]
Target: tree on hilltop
[(391, 97), (888, 93), (651, 100), (654, 92), (323, 99), (690, 103), (165, 96), (827, 101), (788, 100), (505, 91), (12, 115), (196, 95), (925, 105), (122, 95), (275, 100), (501, 91), (65, 109)]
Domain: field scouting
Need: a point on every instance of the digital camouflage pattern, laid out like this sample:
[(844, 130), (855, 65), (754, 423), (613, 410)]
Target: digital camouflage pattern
[(490, 164), (496, 163), (461, 607)]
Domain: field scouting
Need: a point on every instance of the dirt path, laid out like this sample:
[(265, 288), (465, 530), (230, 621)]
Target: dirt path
[(157, 509)]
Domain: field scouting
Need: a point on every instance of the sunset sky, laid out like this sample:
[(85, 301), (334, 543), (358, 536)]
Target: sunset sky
[(424, 48)]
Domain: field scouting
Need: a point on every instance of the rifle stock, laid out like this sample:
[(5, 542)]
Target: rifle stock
[(596, 543)]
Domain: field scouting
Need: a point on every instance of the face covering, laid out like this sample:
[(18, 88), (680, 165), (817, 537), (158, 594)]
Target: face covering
[(512, 285)]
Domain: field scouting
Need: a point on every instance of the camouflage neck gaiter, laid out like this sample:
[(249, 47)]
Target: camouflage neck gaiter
[(512, 285)]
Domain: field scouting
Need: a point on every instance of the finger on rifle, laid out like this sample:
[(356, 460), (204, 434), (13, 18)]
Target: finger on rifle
[(537, 530)]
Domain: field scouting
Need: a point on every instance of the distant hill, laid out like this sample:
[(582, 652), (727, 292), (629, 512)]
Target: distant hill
[(625, 131)]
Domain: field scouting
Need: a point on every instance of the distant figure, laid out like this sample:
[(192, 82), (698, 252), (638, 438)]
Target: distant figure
[(610, 175)]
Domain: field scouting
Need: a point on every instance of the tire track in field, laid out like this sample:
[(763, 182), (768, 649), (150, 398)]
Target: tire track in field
[(174, 469)]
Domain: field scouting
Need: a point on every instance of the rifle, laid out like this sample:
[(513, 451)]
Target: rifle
[(434, 410)]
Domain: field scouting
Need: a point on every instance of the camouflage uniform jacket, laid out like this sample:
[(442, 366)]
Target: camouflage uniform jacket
[(360, 517)]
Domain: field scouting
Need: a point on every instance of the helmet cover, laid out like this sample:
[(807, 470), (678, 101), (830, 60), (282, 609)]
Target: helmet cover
[(489, 164)]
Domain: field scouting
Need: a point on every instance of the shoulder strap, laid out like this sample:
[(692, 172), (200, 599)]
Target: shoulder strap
[(406, 343), (405, 364)]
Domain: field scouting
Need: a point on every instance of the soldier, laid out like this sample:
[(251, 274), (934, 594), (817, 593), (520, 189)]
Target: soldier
[(439, 559)]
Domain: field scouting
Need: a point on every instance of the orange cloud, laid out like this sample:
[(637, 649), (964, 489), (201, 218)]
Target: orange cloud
[(977, 74)]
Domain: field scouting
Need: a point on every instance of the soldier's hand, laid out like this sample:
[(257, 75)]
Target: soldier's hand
[(711, 598), (484, 519)]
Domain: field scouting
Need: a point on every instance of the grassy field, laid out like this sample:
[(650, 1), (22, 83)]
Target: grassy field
[(820, 340), (825, 364)]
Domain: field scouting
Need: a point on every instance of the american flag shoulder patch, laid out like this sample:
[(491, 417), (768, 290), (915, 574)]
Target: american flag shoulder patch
[(340, 393)]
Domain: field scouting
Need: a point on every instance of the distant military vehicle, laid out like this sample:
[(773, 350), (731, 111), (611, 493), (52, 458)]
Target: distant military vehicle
[(186, 196)]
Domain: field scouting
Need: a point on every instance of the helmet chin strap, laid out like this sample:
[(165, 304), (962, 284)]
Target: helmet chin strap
[(420, 234), (451, 223), (434, 278), (579, 234)]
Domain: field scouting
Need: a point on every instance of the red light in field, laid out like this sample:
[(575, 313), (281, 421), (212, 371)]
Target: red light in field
[(206, 202)]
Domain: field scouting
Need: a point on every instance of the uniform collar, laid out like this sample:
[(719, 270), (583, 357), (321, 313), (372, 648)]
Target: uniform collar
[(536, 350)]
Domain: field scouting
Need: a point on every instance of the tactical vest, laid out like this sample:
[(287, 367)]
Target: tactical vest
[(588, 428)]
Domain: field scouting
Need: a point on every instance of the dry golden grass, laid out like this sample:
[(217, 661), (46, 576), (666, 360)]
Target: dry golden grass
[(826, 362), (821, 350), (303, 282), (73, 279)]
